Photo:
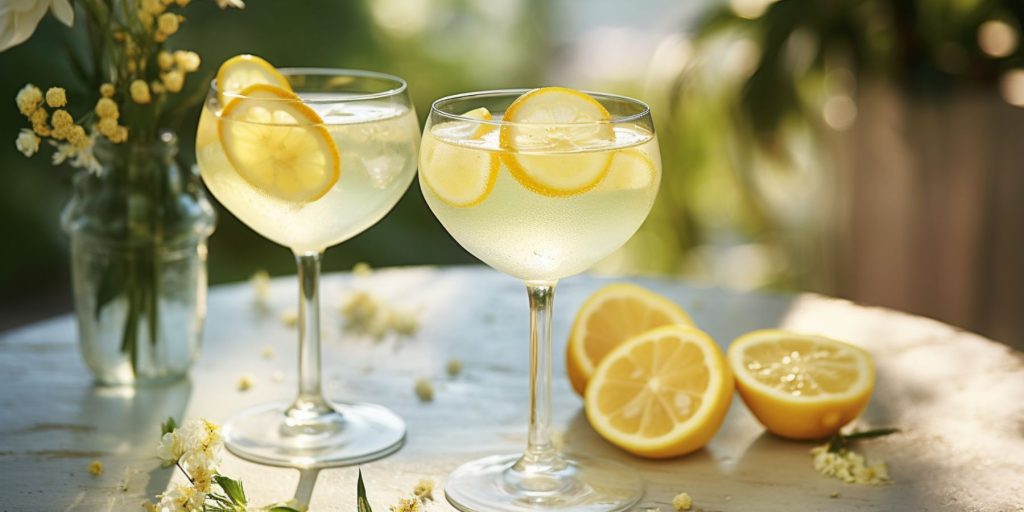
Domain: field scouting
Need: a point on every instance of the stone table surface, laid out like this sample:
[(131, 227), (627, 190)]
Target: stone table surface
[(958, 397)]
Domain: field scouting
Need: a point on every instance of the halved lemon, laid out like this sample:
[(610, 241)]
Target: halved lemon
[(662, 393), (801, 386), (609, 317), (278, 144), (631, 169), (459, 175), (241, 71), (551, 144)]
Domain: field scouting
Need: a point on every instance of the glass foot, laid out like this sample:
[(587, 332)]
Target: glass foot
[(350, 433), (577, 484)]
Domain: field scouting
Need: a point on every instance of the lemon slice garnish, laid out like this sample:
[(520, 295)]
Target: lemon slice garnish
[(550, 143), (631, 169), (241, 71), (459, 175), (278, 144), (801, 386), (609, 317), (662, 393)]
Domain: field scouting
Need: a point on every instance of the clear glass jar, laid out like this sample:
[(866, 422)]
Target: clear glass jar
[(138, 231)]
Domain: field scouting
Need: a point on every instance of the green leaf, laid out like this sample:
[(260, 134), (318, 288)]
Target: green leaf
[(233, 488), (840, 441), (281, 508), (168, 426), (362, 504)]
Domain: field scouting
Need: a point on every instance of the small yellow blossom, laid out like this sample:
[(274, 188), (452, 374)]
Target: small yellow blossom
[(848, 466), (834, 494), (165, 60), (187, 61), (39, 116), (56, 97), (424, 490), (174, 80), (120, 136), (153, 7), (157, 87), (244, 383), (140, 92), (454, 367), (27, 142), (147, 21), (290, 318), (107, 90), (682, 501), (107, 126), (167, 23), (260, 282), (106, 108), (406, 505), (159, 37), (202, 478), (28, 99), (62, 119), (95, 468), (182, 3), (424, 390), (78, 138), (267, 352), (362, 269)]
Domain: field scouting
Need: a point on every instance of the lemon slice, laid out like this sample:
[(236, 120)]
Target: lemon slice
[(461, 176), (610, 316), (662, 393), (551, 141), (631, 169), (801, 386), (278, 144), (241, 71)]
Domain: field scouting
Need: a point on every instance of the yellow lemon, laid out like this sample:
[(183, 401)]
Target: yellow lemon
[(278, 144), (801, 386), (460, 176), (610, 316), (547, 137), (241, 71), (662, 393)]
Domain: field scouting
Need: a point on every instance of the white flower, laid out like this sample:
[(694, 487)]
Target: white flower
[(28, 142), (224, 4), (19, 18), (202, 442), (82, 158), (184, 498), (170, 448)]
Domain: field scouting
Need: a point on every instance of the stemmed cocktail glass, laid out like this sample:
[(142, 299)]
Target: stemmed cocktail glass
[(540, 185), (309, 158)]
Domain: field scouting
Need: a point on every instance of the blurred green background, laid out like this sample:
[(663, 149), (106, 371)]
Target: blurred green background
[(866, 149)]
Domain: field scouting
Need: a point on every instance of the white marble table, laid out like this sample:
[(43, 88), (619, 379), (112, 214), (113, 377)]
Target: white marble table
[(958, 397)]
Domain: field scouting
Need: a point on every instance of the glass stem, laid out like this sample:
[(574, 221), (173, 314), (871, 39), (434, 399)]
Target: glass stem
[(310, 403), (540, 452)]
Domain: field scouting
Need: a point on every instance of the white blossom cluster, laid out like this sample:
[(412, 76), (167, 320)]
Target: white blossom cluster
[(195, 447), (848, 466)]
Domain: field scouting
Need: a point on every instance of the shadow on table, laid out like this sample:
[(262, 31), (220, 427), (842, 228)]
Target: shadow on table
[(127, 420)]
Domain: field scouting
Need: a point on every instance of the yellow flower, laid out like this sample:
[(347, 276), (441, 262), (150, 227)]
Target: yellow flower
[(39, 116), (62, 119), (153, 7), (27, 142), (78, 138), (107, 108), (424, 490), (157, 87), (28, 99), (682, 501), (174, 80), (107, 126), (140, 92), (159, 37), (147, 21), (56, 97), (182, 3), (107, 90), (187, 61), (120, 136), (167, 23), (424, 390), (95, 468), (165, 60)]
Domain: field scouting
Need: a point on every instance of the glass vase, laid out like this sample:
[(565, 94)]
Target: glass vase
[(138, 231)]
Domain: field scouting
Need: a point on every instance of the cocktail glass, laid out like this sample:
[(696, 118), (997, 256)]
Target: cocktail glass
[(309, 170), (540, 201)]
